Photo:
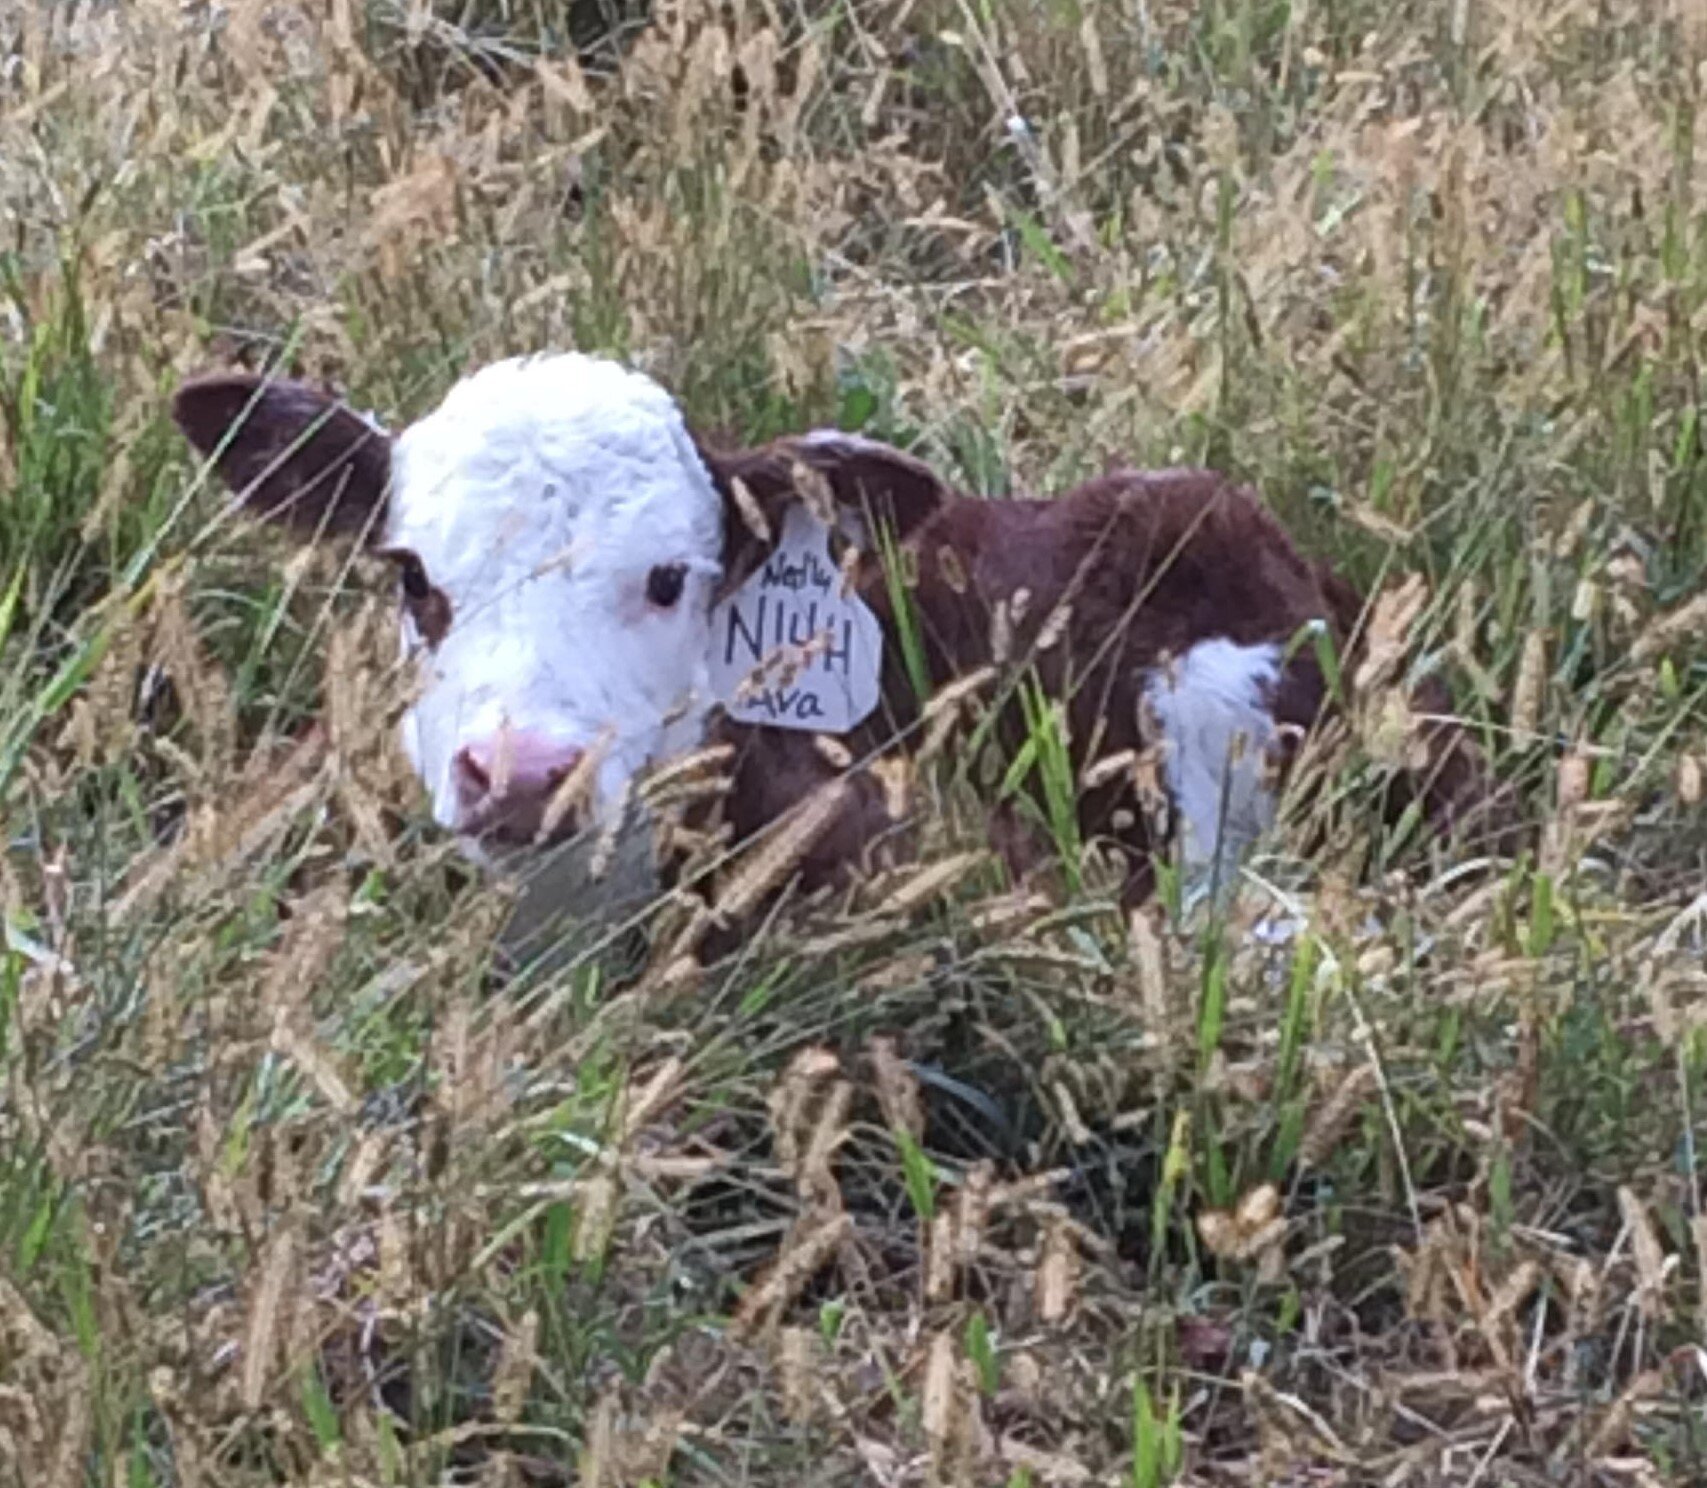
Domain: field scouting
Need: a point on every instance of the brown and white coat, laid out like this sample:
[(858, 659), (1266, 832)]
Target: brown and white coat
[(562, 540)]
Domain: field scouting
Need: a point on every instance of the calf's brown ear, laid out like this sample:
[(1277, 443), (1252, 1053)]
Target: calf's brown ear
[(292, 454), (874, 483)]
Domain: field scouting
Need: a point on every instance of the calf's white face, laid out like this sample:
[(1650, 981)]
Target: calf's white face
[(559, 542), (561, 510)]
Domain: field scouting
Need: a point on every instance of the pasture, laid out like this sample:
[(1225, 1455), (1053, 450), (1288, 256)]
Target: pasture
[(1390, 1172)]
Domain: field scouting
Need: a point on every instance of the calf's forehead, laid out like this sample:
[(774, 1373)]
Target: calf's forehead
[(564, 459)]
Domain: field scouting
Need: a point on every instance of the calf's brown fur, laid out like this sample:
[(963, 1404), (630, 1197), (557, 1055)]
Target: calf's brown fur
[(1100, 585)]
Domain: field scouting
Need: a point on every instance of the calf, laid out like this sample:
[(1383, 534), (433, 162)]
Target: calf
[(588, 588)]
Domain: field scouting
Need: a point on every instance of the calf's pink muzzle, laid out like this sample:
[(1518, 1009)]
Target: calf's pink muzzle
[(505, 784)]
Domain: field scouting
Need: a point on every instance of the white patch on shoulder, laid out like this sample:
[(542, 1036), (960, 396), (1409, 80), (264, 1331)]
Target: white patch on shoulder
[(1216, 729)]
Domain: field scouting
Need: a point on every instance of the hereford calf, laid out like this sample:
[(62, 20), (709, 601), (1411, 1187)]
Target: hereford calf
[(592, 591)]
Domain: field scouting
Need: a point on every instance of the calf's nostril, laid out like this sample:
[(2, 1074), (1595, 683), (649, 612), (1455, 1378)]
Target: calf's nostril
[(472, 777), (555, 775)]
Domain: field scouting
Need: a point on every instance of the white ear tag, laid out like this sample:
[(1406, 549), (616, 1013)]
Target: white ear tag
[(788, 648)]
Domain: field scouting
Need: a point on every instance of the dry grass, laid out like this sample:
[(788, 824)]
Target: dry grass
[(939, 1185)]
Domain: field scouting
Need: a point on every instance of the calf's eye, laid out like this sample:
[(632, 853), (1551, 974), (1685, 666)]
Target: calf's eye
[(664, 584), (416, 586), (427, 604)]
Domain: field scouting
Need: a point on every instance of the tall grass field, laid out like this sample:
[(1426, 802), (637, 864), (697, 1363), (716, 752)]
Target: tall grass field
[(1387, 1171)]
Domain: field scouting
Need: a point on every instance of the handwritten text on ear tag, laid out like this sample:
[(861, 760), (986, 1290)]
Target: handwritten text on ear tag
[(790, 648)]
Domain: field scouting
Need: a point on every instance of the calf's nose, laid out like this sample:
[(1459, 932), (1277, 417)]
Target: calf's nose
[(505, 783)]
